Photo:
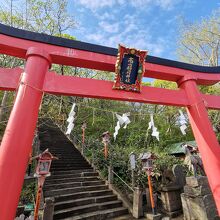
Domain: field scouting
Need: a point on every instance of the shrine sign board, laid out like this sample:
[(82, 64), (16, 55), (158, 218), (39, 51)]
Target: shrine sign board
[(129, 69)]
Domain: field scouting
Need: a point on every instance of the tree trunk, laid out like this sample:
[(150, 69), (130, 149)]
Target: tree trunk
[(3, 105)]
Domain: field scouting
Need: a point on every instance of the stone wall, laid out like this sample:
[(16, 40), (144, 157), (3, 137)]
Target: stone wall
[(197, 200)]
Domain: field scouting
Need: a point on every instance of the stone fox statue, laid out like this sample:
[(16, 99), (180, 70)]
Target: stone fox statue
[(193, 160)]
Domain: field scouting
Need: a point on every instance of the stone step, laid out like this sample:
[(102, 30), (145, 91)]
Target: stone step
[(62, 147), (71, 162), (61, 160), (74, 171), (59, 143), (72, 175), (70, 168), (75, 167), (84, 201), (70, 212), (56, 192), (69, 148), (78, 191), (67, 152), (72, 184), (80, 164), (69, 157), (74, 179), (66, 159), (101, 214), (72, 153), (80, 195), (125, 217), (58, 166)]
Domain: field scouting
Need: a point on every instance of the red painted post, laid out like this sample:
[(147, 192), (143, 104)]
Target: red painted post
[(205, 137), (41, 180), (37, 206), (151, 194), (17, 140), (106, 150)]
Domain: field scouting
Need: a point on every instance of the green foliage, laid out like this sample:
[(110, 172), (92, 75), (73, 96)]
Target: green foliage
[(66, 36), (163, 162), (28, 192), (50, 16), (199, 41), (119, 159), (44, 16), (165, 84)]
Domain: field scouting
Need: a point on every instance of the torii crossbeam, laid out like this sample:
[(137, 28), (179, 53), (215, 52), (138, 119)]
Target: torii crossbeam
[(41, 50)]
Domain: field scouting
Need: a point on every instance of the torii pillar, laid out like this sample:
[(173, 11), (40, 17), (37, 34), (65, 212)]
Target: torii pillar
[(20, 131)]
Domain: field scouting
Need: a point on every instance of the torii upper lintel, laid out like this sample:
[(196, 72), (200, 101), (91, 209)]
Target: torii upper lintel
[(15, 42)]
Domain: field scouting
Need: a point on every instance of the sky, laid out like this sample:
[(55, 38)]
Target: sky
[(151, 25)]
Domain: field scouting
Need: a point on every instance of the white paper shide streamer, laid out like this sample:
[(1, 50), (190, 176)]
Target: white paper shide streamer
[(122, 120), (151, 125), (182, 122), (71, 119)]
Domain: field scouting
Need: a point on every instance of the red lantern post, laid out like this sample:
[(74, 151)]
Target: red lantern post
[(84, 125), (147, 163), (106, 141), (42, 171)]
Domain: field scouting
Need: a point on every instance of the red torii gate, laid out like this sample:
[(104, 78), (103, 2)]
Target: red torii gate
[(41, 50)]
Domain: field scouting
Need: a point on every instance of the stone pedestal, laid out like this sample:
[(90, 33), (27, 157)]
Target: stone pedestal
[(153, 217), (171, 200), (197, 200), (110, 175), (48, 209), (137, 203)]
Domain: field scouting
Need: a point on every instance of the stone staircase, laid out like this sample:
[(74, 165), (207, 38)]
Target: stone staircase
[(78, 190)]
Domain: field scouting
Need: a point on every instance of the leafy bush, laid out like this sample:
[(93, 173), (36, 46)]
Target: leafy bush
[(119, 160), (28, 192)]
